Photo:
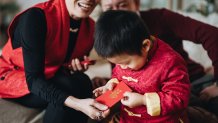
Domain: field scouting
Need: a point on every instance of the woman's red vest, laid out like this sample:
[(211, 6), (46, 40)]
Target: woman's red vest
[(12, 77)]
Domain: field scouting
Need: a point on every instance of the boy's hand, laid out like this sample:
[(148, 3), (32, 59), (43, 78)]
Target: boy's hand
[(109, 86), (132, 99)]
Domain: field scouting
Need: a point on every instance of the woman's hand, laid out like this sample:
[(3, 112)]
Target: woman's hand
[(90, 107), (109, 86), (93, 109), (77, 66), (132, 99)]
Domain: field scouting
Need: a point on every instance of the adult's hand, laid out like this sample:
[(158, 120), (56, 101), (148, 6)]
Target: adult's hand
[(77, 66), (90, 107)]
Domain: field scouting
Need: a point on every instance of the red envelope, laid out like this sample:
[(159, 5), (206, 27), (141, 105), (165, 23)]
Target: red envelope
[(110, 98), (89, 62)]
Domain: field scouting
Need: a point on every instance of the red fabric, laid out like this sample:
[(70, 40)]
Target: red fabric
[(111, 97), (173, 28), (57, 37), (166, 74)]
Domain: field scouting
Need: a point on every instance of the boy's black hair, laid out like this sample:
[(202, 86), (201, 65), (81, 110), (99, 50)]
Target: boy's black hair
[(118, 32)]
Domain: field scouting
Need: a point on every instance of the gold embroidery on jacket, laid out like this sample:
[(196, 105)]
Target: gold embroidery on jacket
[(129, 79), (131, 113)]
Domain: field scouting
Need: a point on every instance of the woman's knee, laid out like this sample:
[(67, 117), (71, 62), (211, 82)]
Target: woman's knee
[(77, 84), (83, 84)]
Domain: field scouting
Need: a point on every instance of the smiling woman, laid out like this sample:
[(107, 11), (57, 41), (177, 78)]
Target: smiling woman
[(36, 76)]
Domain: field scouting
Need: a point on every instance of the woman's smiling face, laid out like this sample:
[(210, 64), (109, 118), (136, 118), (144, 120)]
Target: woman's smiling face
[(80, 8)]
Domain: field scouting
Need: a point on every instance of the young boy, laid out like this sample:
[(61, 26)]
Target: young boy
[(156, 74)]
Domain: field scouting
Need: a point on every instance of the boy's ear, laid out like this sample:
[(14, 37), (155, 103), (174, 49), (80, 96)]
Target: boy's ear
[(146, 45)]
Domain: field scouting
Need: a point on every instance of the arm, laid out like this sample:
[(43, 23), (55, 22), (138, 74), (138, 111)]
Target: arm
[(175, 89), (186, 28), (31, 30)]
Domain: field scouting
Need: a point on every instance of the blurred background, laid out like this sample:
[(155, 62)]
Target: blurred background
[(9, 8), (202, 10)]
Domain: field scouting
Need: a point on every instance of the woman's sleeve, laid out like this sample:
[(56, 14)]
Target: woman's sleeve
[(31, 29)]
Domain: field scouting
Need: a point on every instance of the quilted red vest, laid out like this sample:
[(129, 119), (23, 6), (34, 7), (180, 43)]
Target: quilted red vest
[(12, 76)]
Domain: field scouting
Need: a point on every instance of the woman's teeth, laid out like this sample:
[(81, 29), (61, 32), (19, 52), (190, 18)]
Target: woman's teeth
[(86, 6)]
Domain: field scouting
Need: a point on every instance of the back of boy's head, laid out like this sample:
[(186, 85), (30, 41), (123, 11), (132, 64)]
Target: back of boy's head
[(119, 32)]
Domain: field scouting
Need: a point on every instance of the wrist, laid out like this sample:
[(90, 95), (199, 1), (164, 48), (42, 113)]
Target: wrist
[(72, 102), (144, 99)]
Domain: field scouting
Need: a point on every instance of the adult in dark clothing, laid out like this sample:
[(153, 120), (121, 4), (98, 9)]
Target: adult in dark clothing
[(40, 64)]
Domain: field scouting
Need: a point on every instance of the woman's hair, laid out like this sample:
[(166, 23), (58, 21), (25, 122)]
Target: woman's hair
[(118, 32)]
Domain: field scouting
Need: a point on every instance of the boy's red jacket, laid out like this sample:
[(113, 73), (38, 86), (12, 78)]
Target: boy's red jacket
[(165, 74)]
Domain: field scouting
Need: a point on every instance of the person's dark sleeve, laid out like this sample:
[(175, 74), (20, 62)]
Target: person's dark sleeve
[(194, 31), (31, 29)]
